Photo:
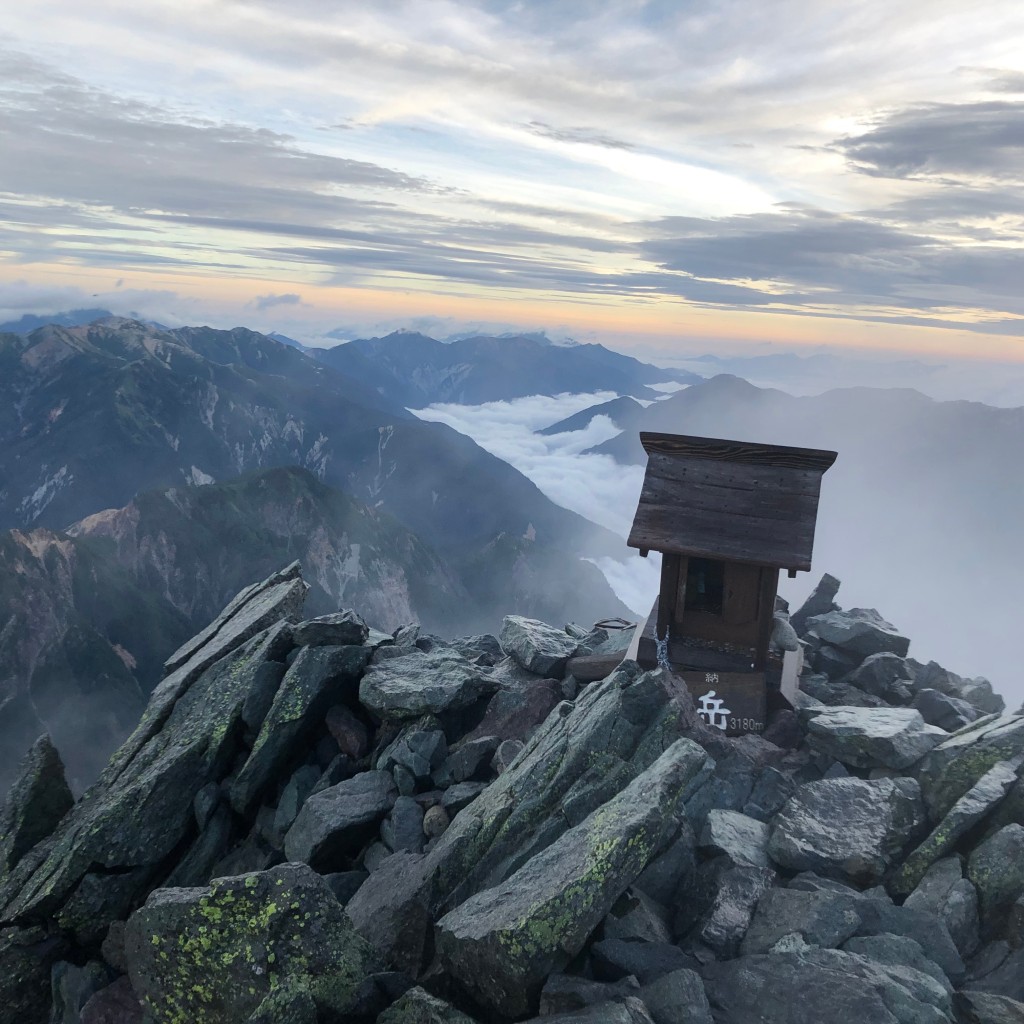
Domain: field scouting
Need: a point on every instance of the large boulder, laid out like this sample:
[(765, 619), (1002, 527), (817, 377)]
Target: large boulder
[(37, 801), (949, 713), (820, 601), (996, 868), (421, 684), (742, 839), (417, 1006), (859, 631), (337, 821), (536, 646), (952, 768), (811, 986), (339, 629), (315, 681), (501, 943), (987, 1008), (26, 958), (851, 829), (885, 675), (873, 737), (105, 851), (824, 919), (213, 955), (944, 891), (971, 808)]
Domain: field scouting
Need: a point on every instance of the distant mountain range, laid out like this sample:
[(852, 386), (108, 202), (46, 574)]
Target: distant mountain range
[(415, 370), (921, 511), (30, 322), (409, 519)]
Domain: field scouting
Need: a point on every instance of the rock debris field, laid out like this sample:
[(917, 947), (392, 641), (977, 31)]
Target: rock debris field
[(315, 822)]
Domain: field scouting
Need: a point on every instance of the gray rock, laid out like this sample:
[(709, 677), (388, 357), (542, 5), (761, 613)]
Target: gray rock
[(949, 713), (391, 910), (484, 649), (635, 917), (114, 1004), (823, 919), (858, 631), (897, 950), (566, 993), (1004, 979), (502, 942), (261, 694), (743, 840), (977, 692), (339, 629), (35, 804), (536, 646), (205, 803), (884, 675), (737, 891), (211, 956), (429, 684), (817, 985), (26, 959), (986, 1008), (419, 750), (873, 737), (270, 604), (71, 987), (672, 869), (137, 814), (956, 765), (515, 714), (468, 762), (616, 959), (834, 693), (879, 818), (836, 664), (996, 868), (927, 930), (349, 732), (629, 1011), (821, 601), (402, 830), (971, 808), (435, 821), (461, 795), (335, 822), (677, 998), (311, 685), (295, 793), (345, 884), (197, 867), (417, 1006), (505, 753), (771, 790)]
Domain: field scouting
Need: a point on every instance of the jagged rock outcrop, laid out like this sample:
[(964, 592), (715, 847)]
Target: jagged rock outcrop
[(315, 821)]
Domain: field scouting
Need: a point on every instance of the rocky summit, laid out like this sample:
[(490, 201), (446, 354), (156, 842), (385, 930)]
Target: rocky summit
[(319, 823)]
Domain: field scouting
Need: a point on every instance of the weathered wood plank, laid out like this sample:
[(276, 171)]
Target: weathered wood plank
[(735, 476), (749, 452), (670, 570), (758, 504), (723, 536)]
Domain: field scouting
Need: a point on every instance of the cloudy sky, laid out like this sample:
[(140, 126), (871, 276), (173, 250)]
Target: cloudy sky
[(664, 175)]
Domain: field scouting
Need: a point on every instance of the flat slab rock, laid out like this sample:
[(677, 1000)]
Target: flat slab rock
[(536, 646), (408, 687), (814, 986), (851, 829), (859, 631), (873, 737), (502, 943), (213, 955)]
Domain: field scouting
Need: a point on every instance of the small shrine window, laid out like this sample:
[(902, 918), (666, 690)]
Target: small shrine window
[(705, 585)]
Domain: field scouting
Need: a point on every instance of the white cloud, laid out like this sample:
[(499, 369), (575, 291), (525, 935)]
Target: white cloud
[(595, 486)]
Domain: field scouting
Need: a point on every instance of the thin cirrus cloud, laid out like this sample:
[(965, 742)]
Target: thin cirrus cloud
[(860, 164)]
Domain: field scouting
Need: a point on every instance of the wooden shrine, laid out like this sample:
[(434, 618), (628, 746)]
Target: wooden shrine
[(726, 516)]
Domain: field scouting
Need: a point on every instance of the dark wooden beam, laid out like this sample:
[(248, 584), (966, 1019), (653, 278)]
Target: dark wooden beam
[(667, 593), (737, 451), (769, 588)]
